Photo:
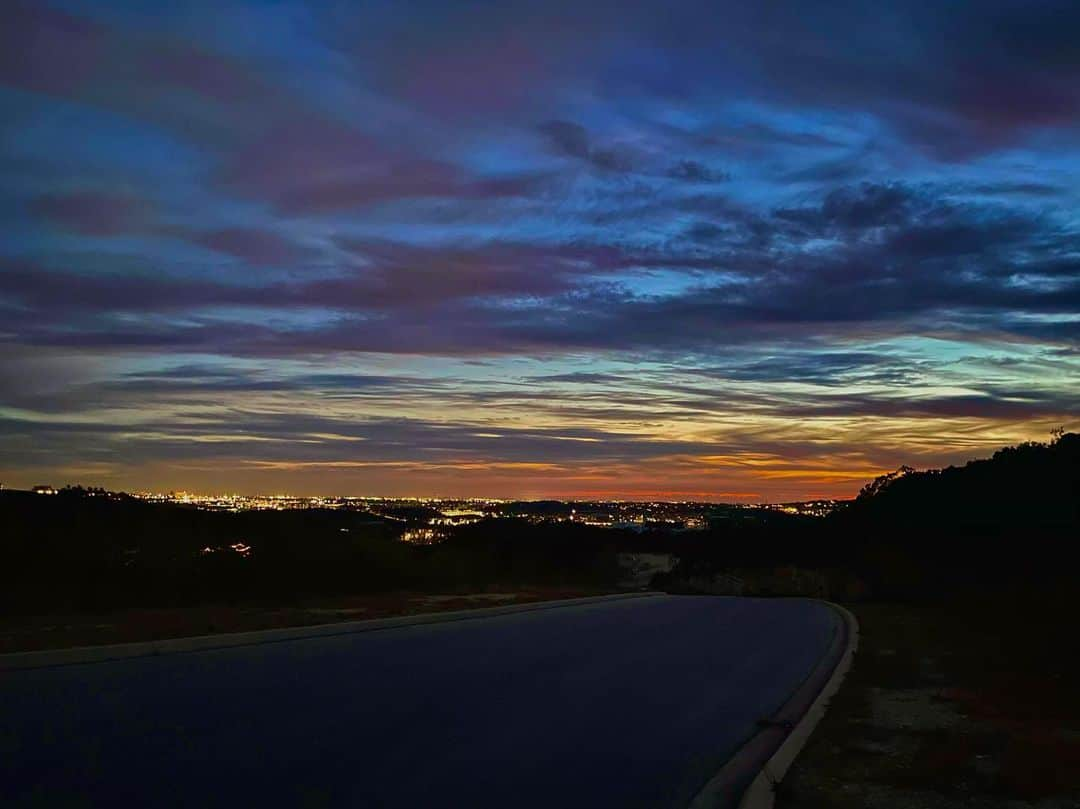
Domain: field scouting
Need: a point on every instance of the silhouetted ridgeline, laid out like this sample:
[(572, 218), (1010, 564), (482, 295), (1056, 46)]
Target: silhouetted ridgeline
[(1009, 521), (82, 549), (1029, 487), (998, 525), (1005, 524)]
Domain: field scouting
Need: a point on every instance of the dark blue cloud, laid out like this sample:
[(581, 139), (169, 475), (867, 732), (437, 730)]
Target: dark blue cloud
[(301, 202)]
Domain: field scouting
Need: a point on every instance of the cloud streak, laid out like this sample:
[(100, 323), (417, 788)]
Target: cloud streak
[(507, 244)]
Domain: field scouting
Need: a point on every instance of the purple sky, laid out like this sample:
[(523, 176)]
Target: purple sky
[(709, 250)]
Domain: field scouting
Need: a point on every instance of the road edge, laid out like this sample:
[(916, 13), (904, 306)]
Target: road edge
[(761, 794), (119, 651), (797, 718)]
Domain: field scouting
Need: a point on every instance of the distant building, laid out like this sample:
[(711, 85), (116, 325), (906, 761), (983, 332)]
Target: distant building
[(43, 490)]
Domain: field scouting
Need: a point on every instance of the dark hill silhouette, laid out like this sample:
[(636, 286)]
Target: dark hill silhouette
[(1006, 523), (1001, 525), (89, 549), (1030, 487)]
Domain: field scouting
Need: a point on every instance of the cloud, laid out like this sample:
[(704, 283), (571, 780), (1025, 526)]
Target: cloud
[(48, 51), (567, 138), (90, 213), (633, 237), (900, 257), (695, 172), (571, 140), (578, 377), (252, 245), (821, 368)]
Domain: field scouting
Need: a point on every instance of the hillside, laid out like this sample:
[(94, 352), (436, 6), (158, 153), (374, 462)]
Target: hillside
[(1028, 487), (1009, 521)]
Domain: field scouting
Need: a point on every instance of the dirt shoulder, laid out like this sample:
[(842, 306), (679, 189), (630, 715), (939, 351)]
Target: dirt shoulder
[(60, 631), (949, 707)]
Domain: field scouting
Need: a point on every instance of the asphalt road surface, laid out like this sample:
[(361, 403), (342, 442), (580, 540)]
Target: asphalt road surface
[(627, 703)]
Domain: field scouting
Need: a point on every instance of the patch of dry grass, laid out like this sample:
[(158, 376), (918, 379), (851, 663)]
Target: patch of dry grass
[(966, 705)]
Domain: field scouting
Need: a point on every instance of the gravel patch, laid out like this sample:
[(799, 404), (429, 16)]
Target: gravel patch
[(913, 709)]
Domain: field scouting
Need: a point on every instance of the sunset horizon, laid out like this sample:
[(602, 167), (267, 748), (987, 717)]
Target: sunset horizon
[(784, 485)]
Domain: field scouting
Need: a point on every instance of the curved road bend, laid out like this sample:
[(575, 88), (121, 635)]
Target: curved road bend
[(627, 703)]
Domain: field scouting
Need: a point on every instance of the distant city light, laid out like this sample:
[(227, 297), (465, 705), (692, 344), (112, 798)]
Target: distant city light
[(425, 521)]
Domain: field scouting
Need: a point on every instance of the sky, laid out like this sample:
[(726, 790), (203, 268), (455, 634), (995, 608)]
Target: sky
[(680, 250)]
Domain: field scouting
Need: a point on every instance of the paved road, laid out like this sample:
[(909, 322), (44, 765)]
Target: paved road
[(614, 704)]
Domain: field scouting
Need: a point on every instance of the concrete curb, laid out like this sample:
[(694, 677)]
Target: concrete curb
[(761, 794), (120, 651), (796, 720)]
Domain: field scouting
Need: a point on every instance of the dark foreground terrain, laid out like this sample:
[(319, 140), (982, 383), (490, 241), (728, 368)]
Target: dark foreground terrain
[(951, 706)]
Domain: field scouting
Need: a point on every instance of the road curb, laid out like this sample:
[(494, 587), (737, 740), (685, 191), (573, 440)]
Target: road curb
[(796, 720), (99, 654)]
